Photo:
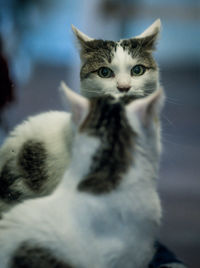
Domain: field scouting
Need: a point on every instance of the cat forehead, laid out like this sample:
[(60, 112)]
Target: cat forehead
[(120, 56), (118, 53), (123, 55)]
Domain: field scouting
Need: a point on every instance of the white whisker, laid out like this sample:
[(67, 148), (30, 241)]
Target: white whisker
[(173, 101), (168, 120)]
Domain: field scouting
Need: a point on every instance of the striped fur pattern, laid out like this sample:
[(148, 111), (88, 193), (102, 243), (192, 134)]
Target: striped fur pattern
[(120, 57)]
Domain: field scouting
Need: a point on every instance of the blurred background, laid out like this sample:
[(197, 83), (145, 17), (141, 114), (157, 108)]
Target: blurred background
[(37, 50)]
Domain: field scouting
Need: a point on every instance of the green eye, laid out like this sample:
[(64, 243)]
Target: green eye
[(138, 70), (105, 72)]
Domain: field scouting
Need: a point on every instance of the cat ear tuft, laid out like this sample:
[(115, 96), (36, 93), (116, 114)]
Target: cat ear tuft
[(81, 37), (150, 36), (147, 109), (151, 30), (78, 104)]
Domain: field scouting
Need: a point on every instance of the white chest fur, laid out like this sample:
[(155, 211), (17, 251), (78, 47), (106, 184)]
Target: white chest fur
[(114, 230)]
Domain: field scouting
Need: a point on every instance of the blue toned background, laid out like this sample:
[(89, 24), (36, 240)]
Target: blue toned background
[(39, 46)]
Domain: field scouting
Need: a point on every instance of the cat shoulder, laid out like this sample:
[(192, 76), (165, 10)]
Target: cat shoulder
[(41, 127)]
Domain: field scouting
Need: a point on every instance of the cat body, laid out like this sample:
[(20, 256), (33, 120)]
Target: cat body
[(34, 156), (98, 216)]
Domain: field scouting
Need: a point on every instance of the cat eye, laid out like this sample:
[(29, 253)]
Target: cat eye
[(105, 72), (138, 70)]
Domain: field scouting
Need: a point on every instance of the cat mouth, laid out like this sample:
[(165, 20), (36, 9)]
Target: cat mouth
[(131, 93)]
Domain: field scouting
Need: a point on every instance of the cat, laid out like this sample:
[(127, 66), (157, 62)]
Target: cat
[(125, 68), (118, 68), (106, 210)]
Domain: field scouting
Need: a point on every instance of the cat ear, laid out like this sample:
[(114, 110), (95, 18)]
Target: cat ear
[(150, 35), (78, 104), (146, 109), (81, 37)]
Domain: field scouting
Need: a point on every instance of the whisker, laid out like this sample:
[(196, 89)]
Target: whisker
[(173, 101), (168, 120), (92, 91)]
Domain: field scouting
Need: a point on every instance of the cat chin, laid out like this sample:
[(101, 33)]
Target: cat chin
[(118, 95), (115, 93)]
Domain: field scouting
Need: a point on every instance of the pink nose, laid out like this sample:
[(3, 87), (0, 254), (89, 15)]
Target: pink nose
[(123, 89)]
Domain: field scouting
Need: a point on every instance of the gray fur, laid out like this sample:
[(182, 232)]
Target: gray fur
[(7, 180), (30, 256), (31, 172), (96, 54), (107, 121), (29, 168), (31, 161)]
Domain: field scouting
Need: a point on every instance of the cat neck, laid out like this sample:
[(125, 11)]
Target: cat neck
[(108, 178), (83, 148)]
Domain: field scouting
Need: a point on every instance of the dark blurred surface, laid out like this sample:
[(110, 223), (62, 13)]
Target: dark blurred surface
[(180, 172), (6, 89), (6, 86)]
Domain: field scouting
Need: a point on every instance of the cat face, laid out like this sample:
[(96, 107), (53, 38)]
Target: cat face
[(126, 67)]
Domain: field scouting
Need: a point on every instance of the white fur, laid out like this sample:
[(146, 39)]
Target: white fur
[(53, 130), (109, 230), (81, 105), (87, 230), (105, 227)]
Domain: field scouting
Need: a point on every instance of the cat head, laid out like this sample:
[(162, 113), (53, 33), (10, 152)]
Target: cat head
[(111, 136), (126, 67)]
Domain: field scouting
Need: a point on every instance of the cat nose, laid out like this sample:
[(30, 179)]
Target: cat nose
[(123, 89)]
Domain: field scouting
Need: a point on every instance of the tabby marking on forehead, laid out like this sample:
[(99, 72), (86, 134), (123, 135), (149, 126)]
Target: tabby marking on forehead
[(96, 53), (136, 48), (100, 53), (107, 121)]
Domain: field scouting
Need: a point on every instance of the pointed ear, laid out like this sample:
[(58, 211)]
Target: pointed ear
[(147, 109), (78, 104), (150, 36), (81, 37)]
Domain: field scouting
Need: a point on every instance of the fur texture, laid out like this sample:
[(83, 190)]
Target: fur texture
[(114, 157), (36, 153), (34, 157), (120, 57), (86, 229)]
